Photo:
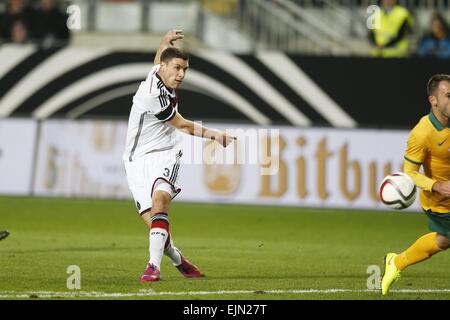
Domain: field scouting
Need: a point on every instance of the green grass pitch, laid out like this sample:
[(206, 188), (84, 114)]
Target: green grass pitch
[(247, 252)]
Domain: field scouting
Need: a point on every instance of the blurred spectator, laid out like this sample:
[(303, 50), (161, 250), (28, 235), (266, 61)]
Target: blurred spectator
[(16, 22), (50, 25), (19, 32), (222, 7), (389, 40), (437, 42)]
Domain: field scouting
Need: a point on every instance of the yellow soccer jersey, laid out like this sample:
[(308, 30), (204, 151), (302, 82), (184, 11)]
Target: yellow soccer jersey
[(429, 146)]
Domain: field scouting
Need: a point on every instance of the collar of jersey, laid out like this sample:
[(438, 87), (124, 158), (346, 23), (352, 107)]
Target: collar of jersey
[(435, 122), (169, 90)]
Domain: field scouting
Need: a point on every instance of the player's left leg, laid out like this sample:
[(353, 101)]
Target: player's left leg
[(421, 250), (186, 268), (424, 247), (429, 244), (442, 241)]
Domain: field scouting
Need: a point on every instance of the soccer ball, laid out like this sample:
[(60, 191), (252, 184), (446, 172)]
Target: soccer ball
[(398, 191)]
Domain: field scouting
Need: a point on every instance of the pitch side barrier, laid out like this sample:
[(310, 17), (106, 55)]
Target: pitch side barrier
[(273, 165)]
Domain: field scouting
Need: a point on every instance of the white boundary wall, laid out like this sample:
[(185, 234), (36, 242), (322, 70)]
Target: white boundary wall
[(17, 145), (318, 167)]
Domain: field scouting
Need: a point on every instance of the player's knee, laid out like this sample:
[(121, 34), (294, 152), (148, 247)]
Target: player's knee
[(442, 242), (160, 201), (158, 205)]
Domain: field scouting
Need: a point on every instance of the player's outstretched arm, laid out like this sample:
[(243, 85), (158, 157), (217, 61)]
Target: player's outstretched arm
[(420, 180), (167, 41), (198, 130), (425, 183)]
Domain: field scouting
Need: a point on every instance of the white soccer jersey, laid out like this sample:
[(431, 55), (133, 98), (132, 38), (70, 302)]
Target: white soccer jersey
[(153, 104)]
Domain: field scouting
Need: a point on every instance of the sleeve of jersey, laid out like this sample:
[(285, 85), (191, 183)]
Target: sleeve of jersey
[(420, 180), (414, 157), (166, 114), (416, 148)]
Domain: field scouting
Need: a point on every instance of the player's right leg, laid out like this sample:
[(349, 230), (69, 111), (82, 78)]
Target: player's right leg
[(157, 221), (141, 179)]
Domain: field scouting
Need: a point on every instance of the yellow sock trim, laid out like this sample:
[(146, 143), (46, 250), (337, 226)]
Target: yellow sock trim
[(422, 249)]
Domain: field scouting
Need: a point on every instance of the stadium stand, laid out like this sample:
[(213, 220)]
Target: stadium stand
[(319, 27)]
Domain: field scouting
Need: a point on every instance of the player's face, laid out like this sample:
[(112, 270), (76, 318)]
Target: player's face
[(443, 98), (173, 72)]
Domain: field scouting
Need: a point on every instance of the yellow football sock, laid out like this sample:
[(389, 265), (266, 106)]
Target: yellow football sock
[(421, 250)]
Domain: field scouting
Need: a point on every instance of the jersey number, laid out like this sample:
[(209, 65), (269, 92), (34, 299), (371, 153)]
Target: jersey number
[(166, 172)]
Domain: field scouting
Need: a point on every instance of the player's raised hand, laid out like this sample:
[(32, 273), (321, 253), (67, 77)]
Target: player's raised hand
[(167, 41), (173, 35)]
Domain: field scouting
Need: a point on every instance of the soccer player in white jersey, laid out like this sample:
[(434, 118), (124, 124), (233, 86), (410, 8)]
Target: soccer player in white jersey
[(153, 152)]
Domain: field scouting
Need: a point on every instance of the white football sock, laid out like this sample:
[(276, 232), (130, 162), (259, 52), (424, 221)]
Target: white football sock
[(172, 252), (157, 238)]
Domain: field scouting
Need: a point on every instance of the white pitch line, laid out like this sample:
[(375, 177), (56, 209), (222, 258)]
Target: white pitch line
[(150, 293)]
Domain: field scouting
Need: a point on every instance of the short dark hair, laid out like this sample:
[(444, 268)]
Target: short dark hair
[(434, 81), (173, 52)]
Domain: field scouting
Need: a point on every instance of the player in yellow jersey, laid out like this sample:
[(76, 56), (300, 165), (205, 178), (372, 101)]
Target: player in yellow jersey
[(428, 146)]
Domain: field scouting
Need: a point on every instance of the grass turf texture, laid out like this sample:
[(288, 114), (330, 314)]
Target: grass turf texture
[(237, 247)]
